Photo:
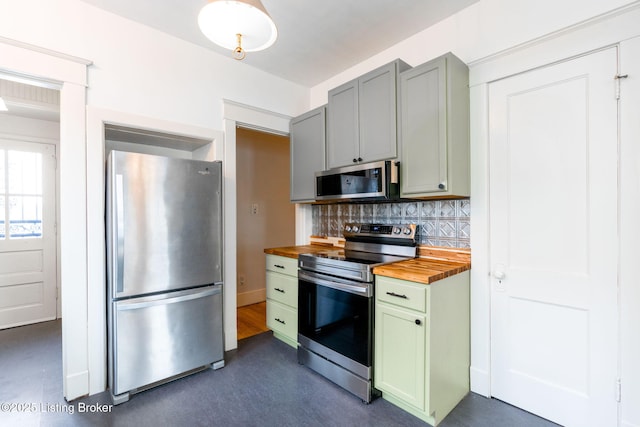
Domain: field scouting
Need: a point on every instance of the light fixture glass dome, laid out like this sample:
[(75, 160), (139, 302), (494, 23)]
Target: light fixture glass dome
[(222, 20)]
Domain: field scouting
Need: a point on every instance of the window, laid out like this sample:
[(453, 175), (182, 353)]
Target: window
[(20, 194)]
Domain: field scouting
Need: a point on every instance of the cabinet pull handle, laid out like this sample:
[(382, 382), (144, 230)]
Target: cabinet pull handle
[(279, 290), (359, 159), (418, 322), (280, 321), (355, 160), (393, 294), (278, 266)]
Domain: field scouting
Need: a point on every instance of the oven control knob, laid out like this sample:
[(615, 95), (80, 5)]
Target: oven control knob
[(347, 228), (355, 228), (396, 230), (407, 231)]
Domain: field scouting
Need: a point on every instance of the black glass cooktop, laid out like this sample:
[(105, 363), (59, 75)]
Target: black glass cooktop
[(357, 257)]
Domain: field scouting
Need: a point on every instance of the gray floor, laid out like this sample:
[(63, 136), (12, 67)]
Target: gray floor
[(261, 385)]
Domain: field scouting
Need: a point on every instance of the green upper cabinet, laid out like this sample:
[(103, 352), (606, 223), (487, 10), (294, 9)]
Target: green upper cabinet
[(434, 129), (362, 117), (307, 155)]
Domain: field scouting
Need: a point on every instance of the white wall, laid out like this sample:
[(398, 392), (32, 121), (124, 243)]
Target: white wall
[(140, 70)]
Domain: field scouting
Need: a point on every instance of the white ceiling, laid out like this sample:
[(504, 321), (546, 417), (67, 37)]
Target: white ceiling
[(317, 39)]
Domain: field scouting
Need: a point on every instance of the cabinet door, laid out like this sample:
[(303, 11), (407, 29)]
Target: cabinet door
[(343, 138), (400, 354), (377, 106), (307, 153), (423, 121)]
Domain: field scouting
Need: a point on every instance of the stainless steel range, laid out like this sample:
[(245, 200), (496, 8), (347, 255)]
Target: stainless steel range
[(335, 303)]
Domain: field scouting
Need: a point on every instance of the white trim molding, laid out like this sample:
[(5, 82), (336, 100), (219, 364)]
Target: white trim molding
[(48, 69), (237, 114)]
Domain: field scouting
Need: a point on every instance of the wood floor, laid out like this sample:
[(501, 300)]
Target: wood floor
[(252, 320)]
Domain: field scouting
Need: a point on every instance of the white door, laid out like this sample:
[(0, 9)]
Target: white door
[(27, 233), (553, 201)]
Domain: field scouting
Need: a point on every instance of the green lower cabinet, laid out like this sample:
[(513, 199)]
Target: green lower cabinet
[(282, 298), (400, 354), (421, 357)]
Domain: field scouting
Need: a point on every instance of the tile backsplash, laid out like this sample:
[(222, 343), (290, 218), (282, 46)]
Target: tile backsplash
[(439, 222)]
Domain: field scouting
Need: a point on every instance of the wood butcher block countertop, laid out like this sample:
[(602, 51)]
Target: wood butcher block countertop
[(433, 263), (422, 270), (294, 251)]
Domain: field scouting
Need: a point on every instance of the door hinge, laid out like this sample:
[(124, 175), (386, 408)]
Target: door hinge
[(618, 390), (617, 78)]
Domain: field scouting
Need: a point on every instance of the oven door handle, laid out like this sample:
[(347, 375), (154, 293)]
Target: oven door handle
[(353, 289)]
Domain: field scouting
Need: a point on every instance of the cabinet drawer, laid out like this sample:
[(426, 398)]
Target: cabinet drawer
[(282, 265), (401, 293), (282, 288), (282, 319)]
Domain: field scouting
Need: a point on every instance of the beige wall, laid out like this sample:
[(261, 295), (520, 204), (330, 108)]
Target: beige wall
[(263, 179)]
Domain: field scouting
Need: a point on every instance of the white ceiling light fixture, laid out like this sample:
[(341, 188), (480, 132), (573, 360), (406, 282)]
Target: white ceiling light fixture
[(3, 106), (241, 25)]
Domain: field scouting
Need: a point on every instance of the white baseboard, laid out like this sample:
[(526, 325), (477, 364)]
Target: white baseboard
[(252, 297), (480, 381), (76, 385)]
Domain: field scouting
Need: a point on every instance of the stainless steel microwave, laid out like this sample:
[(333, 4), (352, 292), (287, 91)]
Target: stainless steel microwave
[(367, 181)]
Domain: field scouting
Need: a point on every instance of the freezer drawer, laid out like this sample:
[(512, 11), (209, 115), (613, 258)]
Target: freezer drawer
[(155, 338)]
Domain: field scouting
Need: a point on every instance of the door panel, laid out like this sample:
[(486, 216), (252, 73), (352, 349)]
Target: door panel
[(553, 178), (27, 233)]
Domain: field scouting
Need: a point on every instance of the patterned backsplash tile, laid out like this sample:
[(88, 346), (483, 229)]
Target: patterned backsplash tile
[(439, 222)]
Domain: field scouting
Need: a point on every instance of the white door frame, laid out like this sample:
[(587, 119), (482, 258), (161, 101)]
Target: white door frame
[(69, 75), (237, 114)]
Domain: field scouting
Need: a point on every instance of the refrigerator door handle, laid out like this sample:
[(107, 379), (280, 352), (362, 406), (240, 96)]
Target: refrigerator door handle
[(119, 234), (132, 305)]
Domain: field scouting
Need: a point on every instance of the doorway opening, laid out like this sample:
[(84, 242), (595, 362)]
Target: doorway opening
[(265, 218), (29, 291)]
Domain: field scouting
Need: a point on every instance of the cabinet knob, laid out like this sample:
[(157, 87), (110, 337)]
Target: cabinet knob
[(355, 160), (418, 322), (359, 159), (441, 186)]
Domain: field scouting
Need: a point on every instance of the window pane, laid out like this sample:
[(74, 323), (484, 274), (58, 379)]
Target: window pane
[(25, 217), (25, 172), (2, 227)]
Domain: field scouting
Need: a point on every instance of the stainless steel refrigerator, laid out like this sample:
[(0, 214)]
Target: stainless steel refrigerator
[(164, 275)]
